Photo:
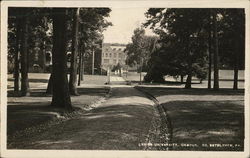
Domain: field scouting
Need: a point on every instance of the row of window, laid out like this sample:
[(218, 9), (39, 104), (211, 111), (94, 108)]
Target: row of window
[(110, 55), (120, 49)]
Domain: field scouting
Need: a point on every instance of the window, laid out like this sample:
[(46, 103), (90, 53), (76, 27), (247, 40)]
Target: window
[(106, 61), (120, 55), (120, 61), (114, 48), (106, 54), (115, 55), (110, 54), (119, 49), (114, 61)]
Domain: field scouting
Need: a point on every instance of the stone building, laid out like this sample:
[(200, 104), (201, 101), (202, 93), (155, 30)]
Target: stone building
[(112, 54)]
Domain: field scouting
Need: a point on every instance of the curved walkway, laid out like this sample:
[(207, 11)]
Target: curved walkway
[(128, 120)]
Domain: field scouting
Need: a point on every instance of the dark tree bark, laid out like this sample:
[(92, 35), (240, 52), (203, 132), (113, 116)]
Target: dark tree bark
[(73, 67), (182, 78), (25, 91), (188, 81), (50, 84), (80, 69), (236, 62), (60, 94), (16, 70), (216, 56), (209, 52)]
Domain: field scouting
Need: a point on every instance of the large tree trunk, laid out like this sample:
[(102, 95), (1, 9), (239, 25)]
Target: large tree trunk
[(216, 56), (25, 91), (60, 95), (209, 52), (188, 81), (16, 70), (73, 65)]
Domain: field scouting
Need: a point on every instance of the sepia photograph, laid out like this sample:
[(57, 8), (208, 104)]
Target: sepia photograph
[(151, 78)]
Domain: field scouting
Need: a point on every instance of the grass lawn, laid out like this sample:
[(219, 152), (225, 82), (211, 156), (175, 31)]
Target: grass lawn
[(226, 80), (203, 119), (25, 112)]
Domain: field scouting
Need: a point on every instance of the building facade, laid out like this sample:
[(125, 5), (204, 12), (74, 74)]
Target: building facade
[(112, 55)]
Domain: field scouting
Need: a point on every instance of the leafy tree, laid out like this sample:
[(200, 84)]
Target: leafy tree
[(232, 40), (183, 40)]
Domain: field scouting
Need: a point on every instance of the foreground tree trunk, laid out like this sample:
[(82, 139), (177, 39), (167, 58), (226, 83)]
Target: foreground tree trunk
[(216, 56), (25, 91), (73, 65), (16, 70), (60, 94)]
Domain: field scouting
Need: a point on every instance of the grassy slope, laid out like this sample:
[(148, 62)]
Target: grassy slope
[(199, 116)]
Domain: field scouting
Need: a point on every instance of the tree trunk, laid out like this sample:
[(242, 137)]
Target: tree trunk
[(93, 61), (60, 94), (188, 81), (16, 70), (182, 78), (236, 62), (25, 91), (216, 56), (80, 69), (209, 52), (50, 84), (73, 65)]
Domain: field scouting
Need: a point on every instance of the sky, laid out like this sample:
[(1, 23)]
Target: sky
[(125, 21)]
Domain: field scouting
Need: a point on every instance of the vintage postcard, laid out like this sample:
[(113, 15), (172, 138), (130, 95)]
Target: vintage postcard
[(125, 78)]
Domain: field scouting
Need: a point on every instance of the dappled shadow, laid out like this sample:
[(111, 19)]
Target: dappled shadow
[(113, 127)]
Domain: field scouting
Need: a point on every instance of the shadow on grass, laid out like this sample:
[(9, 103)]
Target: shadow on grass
[(207, 122), (35, 80), (42, 92), (158, 91), (114, 127)]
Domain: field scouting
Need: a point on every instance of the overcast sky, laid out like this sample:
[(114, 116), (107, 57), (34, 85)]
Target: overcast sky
[(124, 20)]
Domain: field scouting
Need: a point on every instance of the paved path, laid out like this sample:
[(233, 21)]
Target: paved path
[(122, 122)]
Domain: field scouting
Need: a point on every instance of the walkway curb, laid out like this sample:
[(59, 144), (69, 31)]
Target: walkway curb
[(163, 114)]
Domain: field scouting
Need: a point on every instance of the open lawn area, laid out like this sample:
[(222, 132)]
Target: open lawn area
[(202, 119), (28, 112)]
